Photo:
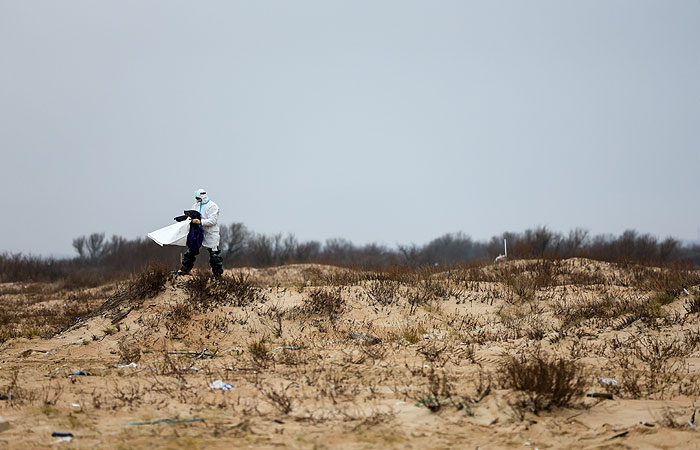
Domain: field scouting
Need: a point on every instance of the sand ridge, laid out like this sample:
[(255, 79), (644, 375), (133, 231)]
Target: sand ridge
[(329, 357)]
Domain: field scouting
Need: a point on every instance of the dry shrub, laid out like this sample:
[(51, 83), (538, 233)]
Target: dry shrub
[(290, 357), (652, 366), (50, 394), (130, 395), (671, 280), (586, 276), (326, 303), (171, 363), (437, 289), (658, 353), (426, 291), (412, 334), (524, 280), (15, 394), (279, 398), (271, 317), (435, 353), (374, 353), (383, 292), (259, 353), (346, 277), (22, 319), (523, 320), (546, 380), (85, 279), (180, 312), (205, 291), (692, 303), (129, 351), (608, 310), (147, 284), (438, 391)]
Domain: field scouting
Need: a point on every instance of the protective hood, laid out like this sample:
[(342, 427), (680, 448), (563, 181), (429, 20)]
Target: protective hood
[(201, 193)]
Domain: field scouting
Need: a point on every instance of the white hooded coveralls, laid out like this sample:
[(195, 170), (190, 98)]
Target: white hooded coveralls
[(210, 219)]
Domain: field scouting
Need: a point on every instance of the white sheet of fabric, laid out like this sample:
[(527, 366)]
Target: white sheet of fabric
[(175, 234), (210, 219)]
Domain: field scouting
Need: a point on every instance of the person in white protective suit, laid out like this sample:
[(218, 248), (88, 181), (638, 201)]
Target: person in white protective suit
[(210, 225)]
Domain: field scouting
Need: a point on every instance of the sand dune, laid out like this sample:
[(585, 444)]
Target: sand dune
[(324, 357)]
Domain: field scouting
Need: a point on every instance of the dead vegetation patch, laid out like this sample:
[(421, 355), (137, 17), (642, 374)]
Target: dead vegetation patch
[(204, 291), (545, 380)]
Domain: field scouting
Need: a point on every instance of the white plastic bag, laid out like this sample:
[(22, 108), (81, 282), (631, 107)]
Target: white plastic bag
[(175, 234), (218, 384)]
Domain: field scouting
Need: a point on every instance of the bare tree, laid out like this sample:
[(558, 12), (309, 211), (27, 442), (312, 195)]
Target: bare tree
[(411, 254), (233, 241), (287, 249), (577, 239), (79, 245), (95, 245), (307, 251)]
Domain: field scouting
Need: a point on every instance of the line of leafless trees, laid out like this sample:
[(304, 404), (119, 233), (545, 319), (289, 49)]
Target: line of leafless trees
[(100, 258)]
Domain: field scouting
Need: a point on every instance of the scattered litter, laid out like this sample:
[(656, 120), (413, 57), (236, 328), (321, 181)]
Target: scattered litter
[(75, 405), (63, 439), (5, 396), (608, 381), (368, 338), (218, 384), (462, 405), (156, 422), (427, 401), (691, 422), (600, 395), (284, 348), (59, 434), (692, 425), (619, 435), (646, 424), (192, 354), (504, 257), (121, 366), (278, 421), (425, 366), (686, 291), (81, 373), (400, 403)]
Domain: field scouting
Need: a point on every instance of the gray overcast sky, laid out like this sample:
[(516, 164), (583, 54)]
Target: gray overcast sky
[(377, 121)]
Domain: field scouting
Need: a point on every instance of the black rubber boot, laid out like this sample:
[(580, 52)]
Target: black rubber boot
[(188, 260), (216, 262)]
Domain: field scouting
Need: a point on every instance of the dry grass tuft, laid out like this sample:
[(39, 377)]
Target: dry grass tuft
[(205, 291), (547, 381), (129, 351), (147, 284), (325, 303)]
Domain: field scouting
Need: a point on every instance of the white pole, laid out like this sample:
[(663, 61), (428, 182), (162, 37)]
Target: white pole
[(505, 247)]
